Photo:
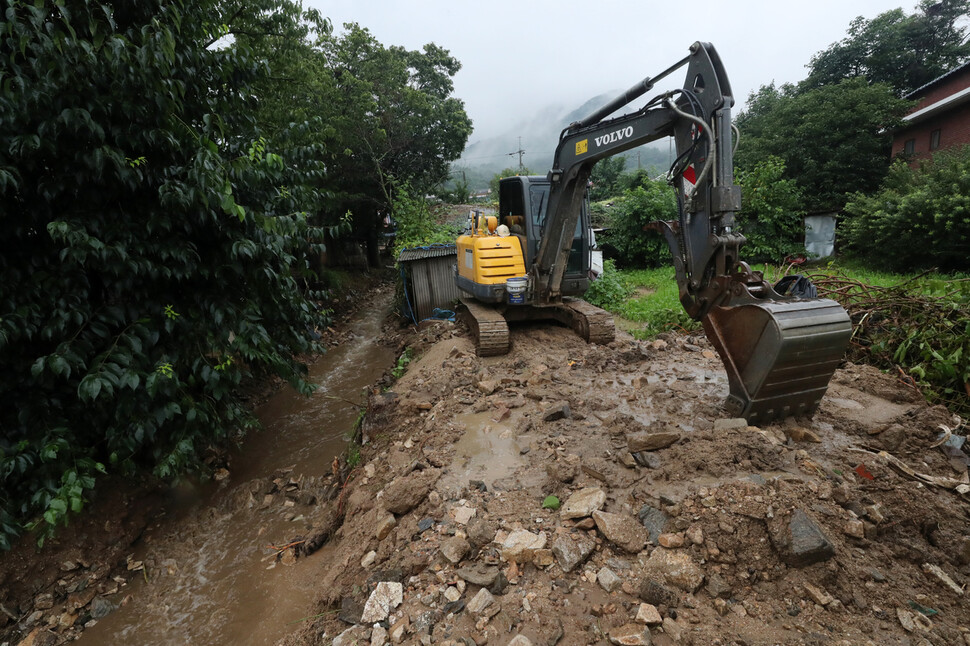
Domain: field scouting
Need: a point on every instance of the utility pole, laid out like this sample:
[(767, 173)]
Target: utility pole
[(519, 152)]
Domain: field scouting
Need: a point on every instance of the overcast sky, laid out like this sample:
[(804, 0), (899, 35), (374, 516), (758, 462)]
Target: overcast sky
[(518, 57)]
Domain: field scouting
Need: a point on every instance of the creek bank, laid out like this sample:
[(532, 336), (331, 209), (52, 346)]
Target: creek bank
[(677, 526)]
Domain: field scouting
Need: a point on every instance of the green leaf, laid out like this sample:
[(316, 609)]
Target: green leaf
[(550, 502)]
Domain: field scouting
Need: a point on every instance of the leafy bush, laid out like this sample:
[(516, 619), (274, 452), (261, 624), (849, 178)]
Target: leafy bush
[(608, 291), (153, 250), (416, 226), (919, 218), (632, 246), (772, 217)]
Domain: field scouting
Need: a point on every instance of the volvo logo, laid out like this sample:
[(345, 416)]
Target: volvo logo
[(615, 136)]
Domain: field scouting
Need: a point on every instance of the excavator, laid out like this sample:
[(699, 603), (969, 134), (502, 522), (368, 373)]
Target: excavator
[(531, 260)]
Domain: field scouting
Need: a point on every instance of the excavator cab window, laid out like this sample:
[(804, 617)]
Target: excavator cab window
[(539, 198)]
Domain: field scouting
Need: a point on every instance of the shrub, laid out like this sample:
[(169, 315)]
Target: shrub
[(609, 290), (632, 245), (772, 217)]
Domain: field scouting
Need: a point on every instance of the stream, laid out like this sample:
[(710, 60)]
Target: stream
[(208, 580)]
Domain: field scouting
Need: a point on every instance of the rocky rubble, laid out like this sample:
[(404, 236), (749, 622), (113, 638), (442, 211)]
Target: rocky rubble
[(718, 533)]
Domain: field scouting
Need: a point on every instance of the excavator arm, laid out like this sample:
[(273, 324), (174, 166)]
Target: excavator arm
[(779, 352)]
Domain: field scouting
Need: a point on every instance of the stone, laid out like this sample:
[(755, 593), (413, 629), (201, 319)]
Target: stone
[(647, 459), (717, 587), (101, 608), (399, 630), (368, 559), (557, 411), (799, 434), (452, 593), (543, 558), (463, 514), (378, 635), (799, 539), (731, 423), (583, 503), (877, 576), (637, 442), (673, 630), (608, 579), (630, 635), (384, 526), (818, 595), (695, 535), (654, 520), (855, 528), (480, 602), (648, 614), (350, 611), (657, 594), (571, 553), (521, 545), (44, 601), (671, 541), (385, 597), (621, 530), (479, 574), (349, 637), (480, 532), (520, 640), (455, 549), (943, 578), (676, 568), (425, 524), (404, 493)]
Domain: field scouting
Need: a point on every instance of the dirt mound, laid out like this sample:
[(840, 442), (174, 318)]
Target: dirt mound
[(682, 526)]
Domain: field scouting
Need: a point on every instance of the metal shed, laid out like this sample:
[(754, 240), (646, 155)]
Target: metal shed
[(429, 279)]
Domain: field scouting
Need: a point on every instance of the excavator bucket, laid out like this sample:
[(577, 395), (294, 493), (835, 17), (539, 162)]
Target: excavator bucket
[(779, 355)]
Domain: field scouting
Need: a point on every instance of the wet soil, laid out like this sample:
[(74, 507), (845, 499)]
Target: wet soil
[(688, 543)]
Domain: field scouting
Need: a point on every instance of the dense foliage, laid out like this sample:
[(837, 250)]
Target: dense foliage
[(772, 217), (903, 51), (920, 218), (168, 173), (834, 139), (605, 177), (627, 240)]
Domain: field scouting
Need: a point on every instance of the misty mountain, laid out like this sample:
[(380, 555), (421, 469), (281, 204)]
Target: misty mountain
[(539, 133)]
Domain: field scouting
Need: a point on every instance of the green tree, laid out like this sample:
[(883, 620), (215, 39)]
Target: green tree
[(153, 245), (772, 215), (833, 139), (900, 50), (632, 245), (605, 177), (920, 218)]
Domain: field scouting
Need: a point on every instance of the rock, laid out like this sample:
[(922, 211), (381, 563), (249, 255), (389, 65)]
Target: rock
[(559, 410), (452, 593), (676, 568), (520, 640), (425, 524), (671, 541), (404, 493), (656, 594), (480, 532), (877, 576), (621, 530), (385, 597), (647, 459), (799, 434), (378, 635), (717, 587), (38, 637), (350, 637), (818, 595), (480, 602), (561, 471), (648, 614), (799, 540), (488, 387), (399, 630), (654, 520), (571, 553), (479, 574), (855, 528), (728, 424), (673, 629), (521, 545), (607, 579), (384, 526), (943, 578), (101, 608), (637, 442), (368, 559), (630, 635), (463, 514), (455, 549), (350, 611), (583, 503), (44, 601), (543, 558)]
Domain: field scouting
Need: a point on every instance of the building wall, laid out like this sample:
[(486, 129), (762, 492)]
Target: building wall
[(953, 124), (953, 84)]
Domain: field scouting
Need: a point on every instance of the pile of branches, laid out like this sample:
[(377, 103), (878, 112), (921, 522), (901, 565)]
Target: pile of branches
[(919, 328)]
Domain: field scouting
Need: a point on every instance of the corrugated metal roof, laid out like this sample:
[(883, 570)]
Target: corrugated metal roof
[(431, 251), (937, 79)]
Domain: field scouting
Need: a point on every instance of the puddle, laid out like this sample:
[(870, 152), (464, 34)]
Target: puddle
[(488, 451), (209, 582)]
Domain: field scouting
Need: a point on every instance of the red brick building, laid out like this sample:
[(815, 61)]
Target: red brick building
[(941, 118)]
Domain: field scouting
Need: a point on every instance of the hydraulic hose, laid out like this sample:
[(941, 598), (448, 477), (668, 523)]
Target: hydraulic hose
[(706, 130)]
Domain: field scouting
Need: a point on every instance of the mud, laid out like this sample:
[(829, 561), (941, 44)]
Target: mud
[(793, 533)]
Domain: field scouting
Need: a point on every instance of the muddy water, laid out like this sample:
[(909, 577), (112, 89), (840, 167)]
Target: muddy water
[(207, 577)]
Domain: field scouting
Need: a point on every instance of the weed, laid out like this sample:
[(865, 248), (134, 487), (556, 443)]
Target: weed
[(402, 363)]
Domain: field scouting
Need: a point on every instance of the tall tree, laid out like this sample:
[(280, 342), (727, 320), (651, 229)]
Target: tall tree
[(903, 51)]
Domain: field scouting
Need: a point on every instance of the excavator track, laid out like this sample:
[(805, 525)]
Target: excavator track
[(591, 323), (488, 326)]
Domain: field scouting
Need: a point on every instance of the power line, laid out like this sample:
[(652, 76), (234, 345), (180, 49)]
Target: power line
[(519, 152)]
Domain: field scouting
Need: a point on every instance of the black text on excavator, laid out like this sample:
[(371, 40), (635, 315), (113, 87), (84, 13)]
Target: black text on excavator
[(779, 352)]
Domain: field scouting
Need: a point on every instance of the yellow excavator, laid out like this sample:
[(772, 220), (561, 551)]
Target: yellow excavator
[(531, 260)]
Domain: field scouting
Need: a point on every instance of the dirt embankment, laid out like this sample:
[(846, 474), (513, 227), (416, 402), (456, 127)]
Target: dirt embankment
[(676, 526)]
